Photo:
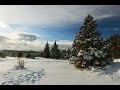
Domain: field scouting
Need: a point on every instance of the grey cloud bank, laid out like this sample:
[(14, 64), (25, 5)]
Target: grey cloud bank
[(49, 14), (27, 37)]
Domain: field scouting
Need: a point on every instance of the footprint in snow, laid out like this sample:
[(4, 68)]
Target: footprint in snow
[(31, 78)]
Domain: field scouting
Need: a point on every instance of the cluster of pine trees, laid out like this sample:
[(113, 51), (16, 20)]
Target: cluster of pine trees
[(55, 52), (89, 48)]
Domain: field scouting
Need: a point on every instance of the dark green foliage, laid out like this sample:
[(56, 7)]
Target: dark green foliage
[(68, 52), (20, 54), (28, 55), (55, 52), (14, 53), (88, 48), (114, 45), (41, 54), (46, 52), (2, 55), (31, 55), (63, 54)]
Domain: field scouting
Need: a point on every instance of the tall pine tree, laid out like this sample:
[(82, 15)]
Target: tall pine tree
[(88, 48), (55, 52), (46, 52)]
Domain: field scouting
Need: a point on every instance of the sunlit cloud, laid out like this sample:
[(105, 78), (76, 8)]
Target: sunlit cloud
[(105, 16)]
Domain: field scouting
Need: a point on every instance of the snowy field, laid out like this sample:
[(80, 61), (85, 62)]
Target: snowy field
[(55, 72)]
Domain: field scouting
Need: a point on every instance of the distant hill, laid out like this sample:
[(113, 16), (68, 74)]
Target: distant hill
[(14, 53)]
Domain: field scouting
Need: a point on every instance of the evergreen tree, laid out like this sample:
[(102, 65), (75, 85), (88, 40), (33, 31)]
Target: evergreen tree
[(46, 52), (41, 54), (88, 48), (63, 54), (114, 42), (55, 52), (68, 52)]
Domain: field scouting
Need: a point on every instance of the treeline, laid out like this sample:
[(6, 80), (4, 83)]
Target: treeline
[(55, 52), (15, 53)]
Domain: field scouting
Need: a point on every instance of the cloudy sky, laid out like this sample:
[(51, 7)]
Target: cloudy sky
[(29, 27)]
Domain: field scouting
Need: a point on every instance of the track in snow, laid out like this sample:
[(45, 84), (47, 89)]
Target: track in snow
[(31, 78)]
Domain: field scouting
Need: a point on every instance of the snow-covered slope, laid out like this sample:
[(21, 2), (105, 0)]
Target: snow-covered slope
[(55, 72)]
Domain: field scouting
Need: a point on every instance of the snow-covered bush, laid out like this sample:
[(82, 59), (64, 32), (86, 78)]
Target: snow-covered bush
[(20, 64)]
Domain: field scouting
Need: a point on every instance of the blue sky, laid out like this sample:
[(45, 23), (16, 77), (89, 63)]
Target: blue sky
[(28, 27), (52, 33)]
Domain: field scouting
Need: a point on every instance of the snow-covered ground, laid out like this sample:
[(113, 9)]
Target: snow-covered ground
[(55, 72)]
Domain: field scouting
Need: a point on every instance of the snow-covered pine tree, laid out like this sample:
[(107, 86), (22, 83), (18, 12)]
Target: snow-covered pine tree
[(88, 48), (68, 52), (114, 43), (46, 52), (63, 54), (55, 52)]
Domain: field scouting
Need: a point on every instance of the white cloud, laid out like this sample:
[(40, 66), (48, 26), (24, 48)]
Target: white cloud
[(104, 16), (18, 41), (46, 14), (116, 29), (35, 45), (3, 25)]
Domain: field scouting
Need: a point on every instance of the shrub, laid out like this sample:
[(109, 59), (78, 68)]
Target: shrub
[(20, 64)]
